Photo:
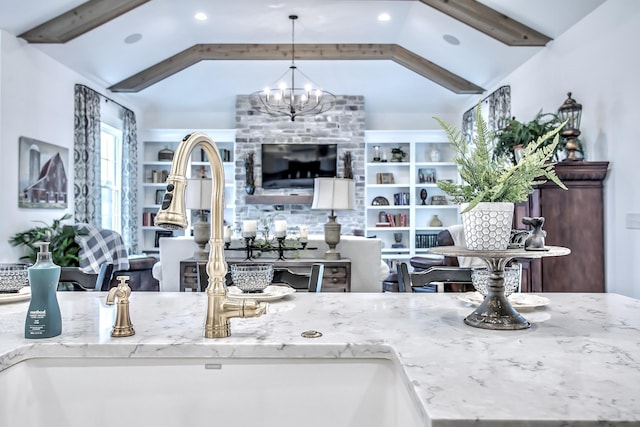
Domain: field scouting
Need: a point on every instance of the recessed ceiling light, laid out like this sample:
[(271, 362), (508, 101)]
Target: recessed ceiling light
[(201, 16), (133, 38), (451, 39), (383, 17)]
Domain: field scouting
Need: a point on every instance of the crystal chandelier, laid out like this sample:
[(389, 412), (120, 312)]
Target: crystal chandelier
[(291, 101)]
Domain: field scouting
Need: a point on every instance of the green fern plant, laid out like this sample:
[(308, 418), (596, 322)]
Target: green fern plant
[(518, 133), (62, 245), (489, 178)]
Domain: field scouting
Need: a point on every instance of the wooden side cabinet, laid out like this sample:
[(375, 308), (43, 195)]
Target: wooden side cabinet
[(573, 219), (336, 277)]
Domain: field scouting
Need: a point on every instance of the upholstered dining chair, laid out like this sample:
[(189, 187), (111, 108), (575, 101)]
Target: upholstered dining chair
[(311, 281), (420, 263), (300, 281), (433, 279), (87, 282)]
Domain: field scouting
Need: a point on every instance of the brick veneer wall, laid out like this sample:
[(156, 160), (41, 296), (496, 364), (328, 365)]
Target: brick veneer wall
[(344, 125)]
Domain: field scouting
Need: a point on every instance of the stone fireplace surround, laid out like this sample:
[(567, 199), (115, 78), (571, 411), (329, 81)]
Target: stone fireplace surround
[(344, 125)]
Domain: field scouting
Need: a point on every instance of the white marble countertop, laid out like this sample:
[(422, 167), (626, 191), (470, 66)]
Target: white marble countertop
[(579, 364)]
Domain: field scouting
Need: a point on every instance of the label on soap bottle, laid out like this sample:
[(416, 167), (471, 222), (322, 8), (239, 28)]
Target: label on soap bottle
[(36, 325)]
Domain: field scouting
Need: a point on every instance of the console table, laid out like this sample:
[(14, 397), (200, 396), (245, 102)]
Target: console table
[(336, 277), (496, 312)]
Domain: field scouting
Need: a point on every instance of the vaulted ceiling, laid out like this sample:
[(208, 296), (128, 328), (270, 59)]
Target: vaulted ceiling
[(427, 58)]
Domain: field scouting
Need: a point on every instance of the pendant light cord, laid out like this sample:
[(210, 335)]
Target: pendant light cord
[(293, 57)]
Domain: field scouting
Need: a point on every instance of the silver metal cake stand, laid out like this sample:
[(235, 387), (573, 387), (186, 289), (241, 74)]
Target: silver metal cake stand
[(496, 312)]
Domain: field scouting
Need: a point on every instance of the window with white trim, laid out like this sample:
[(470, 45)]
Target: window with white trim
[(110, 176)]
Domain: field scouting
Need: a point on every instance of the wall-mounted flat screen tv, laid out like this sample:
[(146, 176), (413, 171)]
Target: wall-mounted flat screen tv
[(296, 165)]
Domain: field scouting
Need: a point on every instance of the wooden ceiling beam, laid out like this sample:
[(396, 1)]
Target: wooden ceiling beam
[(490, 22), (94, 13), (79, 20), (260, 52), (434, 72)]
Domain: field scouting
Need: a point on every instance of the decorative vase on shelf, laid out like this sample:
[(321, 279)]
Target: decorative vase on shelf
[(434, 155), (423, 196), (165, 155), (435, 222), (376, 153)]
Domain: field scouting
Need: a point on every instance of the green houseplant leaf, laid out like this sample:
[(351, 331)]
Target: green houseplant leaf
[(491, 177), (63, 247), (520, 134)]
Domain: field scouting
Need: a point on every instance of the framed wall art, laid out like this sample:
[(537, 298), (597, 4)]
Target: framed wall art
[(42, 174), (427, 175)]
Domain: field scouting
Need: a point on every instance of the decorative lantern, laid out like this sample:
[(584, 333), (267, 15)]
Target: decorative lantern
[(570, 111)]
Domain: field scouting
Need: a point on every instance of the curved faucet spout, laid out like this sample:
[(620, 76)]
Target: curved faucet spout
[(172, 211), (172, 216)]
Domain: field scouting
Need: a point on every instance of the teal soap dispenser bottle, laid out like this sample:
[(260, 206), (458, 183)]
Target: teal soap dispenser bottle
[(43, 318)]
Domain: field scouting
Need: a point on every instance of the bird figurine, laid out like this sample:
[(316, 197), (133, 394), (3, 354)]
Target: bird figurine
[(535, 241)]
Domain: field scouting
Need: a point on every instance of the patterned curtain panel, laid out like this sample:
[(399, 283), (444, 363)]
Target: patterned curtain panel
[(86, 157), (496, 110), (500, 108), (129, 189)]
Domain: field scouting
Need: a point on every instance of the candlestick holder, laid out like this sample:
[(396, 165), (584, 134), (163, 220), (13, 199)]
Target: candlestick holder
[(248, 244), (281, 247)]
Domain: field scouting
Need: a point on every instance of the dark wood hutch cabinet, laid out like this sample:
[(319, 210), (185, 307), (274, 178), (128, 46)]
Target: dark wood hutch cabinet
[(573, 219)]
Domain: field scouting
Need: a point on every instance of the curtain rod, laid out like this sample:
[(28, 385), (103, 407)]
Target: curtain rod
[(105, 97)]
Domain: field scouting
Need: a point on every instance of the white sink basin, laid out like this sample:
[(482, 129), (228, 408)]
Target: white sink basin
[(69, 392)]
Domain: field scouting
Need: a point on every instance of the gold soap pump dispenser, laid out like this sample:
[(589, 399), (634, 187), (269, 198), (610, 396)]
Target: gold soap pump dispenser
[(122, 326)]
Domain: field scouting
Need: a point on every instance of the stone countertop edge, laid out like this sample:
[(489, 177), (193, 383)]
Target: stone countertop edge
[(579, 363)]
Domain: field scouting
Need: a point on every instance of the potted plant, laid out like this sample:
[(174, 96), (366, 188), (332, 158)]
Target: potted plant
[(63, 247), (491, 184), (511, 140)]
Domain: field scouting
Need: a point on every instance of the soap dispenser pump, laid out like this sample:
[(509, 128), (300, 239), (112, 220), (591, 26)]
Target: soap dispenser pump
[(43, 317)]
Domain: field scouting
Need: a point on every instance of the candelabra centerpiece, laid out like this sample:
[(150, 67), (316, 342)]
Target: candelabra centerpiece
[(253, 246)]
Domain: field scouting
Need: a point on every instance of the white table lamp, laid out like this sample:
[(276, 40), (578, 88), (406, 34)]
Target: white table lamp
[(198, 198), (334, 194)]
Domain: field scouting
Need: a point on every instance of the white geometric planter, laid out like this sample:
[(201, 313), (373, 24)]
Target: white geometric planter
[(487, 227)]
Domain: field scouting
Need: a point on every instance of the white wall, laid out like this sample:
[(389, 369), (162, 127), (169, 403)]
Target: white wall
[(192, 120), (597, 61), (38, 102)]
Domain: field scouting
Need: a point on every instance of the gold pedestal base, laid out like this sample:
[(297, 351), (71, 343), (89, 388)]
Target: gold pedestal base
[(217, 331)]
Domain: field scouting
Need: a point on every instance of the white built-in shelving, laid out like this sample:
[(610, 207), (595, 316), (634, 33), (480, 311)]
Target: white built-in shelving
[(410, 176), (152, 192)]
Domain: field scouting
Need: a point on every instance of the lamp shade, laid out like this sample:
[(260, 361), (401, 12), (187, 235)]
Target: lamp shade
[(334, 193), (198, 194)]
